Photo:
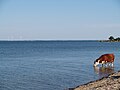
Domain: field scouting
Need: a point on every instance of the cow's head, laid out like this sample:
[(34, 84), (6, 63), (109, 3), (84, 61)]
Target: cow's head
[(96, 62)]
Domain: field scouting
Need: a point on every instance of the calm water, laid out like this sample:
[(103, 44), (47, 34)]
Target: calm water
[(52, 65)]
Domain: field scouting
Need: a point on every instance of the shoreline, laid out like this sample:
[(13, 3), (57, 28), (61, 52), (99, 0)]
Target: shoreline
[(109, 41), (110, 82)]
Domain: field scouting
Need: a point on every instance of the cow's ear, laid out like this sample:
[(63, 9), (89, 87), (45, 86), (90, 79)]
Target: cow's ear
[(96, 60)]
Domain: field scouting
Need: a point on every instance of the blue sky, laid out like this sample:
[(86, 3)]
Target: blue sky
[(59, 19)]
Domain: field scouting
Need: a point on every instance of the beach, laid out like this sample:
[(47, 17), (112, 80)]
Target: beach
[(111, 82)]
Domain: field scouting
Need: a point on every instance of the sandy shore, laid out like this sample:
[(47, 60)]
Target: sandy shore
[(111, 82)]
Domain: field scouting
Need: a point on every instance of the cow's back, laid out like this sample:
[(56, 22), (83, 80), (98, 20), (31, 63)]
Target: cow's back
[(107, 57)]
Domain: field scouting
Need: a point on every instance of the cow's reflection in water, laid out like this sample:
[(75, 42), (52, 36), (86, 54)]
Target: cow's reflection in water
[(103, 71)]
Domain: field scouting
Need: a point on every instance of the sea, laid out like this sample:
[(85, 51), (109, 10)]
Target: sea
[(53, 65)]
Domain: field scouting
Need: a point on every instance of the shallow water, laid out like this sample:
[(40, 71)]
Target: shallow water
[(52, 65)]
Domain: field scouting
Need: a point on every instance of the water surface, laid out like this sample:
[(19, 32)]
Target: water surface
[(52, 65)]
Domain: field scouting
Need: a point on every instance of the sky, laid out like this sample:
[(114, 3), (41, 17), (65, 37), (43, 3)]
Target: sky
[(59, 19)]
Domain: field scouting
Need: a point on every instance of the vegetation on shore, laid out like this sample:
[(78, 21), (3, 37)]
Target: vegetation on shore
[(111, 39)]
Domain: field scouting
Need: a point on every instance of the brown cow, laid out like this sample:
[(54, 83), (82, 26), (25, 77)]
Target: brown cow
[(103, 59)]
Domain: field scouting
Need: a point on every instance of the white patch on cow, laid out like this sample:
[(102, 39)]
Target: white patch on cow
[(103, 62), (96, 63)]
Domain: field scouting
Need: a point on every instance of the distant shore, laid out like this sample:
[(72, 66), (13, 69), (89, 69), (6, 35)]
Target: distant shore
[(111, 82), (108, 41)]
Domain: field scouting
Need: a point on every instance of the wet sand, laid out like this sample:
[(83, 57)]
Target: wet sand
[(110, 82)]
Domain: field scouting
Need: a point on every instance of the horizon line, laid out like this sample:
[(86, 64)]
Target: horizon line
[(52, 40)]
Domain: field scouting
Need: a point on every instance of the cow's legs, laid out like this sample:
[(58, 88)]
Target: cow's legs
[(102, 65), (112, 64), (106, 64)]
